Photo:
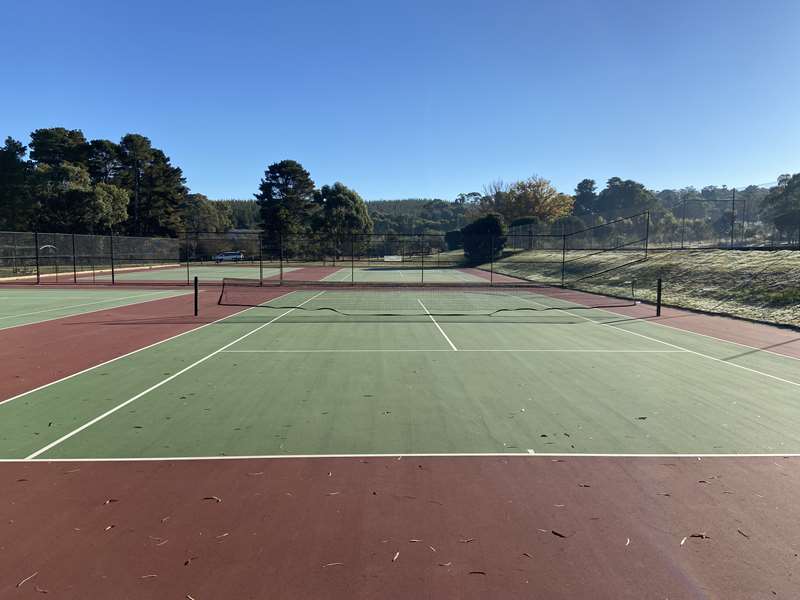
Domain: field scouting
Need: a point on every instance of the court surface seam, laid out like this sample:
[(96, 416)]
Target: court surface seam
[(164, 381)]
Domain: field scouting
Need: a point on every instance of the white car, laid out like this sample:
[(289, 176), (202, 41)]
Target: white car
[(229, 256)]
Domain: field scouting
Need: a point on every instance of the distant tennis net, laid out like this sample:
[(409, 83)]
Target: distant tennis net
[(392, 299)]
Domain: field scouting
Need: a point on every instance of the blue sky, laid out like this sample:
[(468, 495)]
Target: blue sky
[(419, 98)]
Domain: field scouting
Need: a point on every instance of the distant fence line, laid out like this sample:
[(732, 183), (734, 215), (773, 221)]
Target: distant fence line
[(75, 258), (681, 228)]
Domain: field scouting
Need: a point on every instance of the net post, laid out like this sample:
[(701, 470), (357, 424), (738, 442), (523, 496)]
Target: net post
[(74, 264), (260, 260), (658, 297), (196, 296), (111, 247), (36, 243)]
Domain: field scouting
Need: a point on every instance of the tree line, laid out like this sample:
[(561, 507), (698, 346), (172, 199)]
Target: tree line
[(62, 182)]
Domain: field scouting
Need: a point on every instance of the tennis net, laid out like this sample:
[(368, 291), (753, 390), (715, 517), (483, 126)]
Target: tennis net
[(393, 299)]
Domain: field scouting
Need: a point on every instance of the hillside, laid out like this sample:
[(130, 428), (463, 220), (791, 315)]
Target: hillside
[(761, 285)]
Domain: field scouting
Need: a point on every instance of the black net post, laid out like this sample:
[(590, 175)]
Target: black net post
[(196, 296), (74, 262), (36, 243), (658, 297)]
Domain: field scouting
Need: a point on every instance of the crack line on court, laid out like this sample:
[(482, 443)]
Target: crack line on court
[(111, 411), (427, 312)]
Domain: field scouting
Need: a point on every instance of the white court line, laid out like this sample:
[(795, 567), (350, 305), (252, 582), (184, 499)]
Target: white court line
[(425, 308), (422, 350), (120, 357), (71, 306), (652, 339), (719, 339), (111, 411), (398, 456)]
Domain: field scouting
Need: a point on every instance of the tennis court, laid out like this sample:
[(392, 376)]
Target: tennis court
[(181, 274), (22, 306), (468, 434), (556, 378)]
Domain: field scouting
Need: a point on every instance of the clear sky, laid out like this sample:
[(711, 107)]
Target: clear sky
[(418, 98)]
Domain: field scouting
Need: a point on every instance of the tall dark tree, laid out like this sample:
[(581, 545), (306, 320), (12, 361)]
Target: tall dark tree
[(157, 188), (624, 198), (70, 203), (484, 238), (201, 215), (285, 197), (585, 197), (340, 211), (103, 160), (135, 152), (55, 145), (17, 206)]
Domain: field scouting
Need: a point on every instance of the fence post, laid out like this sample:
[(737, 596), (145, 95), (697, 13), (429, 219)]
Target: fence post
[(563, 254), (196, 294), (683, 226), (188, 272), (260, 259), (733, 216), (352, 259), (658, 297), (113, 278), (74, 262), (647, 234), (491, 259), (36, 243), (422, 257), (280, 259)]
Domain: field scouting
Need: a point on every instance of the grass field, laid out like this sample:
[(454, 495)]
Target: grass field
[(270, 382), (763, 285), (23, 306)]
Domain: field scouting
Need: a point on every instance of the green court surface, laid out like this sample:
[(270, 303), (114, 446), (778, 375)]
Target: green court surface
[(207, 272), (404, 274), (21, 306), (286, 382)]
